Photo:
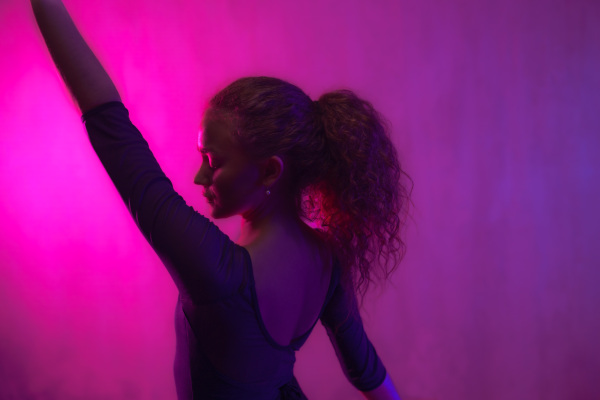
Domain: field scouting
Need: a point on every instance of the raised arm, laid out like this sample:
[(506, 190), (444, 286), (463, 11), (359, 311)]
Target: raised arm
[(85, 77), (196, 253)]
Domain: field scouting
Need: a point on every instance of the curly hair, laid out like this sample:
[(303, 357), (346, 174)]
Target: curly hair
[(346, 176)]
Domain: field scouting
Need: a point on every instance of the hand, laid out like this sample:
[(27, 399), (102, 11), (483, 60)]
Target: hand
[(85, 77)]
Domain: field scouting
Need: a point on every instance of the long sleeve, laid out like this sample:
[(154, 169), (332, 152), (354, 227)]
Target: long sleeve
[(199, 257), (358, 358)]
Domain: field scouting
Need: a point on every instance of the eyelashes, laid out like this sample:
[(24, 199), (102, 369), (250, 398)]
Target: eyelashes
[(210, 162)]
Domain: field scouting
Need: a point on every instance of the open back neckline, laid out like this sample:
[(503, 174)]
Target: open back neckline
[(256, 308)]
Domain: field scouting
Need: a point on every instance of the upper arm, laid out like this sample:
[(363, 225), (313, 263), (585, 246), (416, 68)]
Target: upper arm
[(202, 260)]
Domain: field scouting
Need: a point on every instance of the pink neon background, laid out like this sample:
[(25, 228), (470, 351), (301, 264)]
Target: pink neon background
[(495, 111)]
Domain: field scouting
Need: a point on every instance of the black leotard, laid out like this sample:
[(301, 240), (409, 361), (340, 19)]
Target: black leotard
[(223, 349)]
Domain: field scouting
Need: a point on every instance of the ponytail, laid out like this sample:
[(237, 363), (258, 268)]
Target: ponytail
[(360, 201), (343, 168)]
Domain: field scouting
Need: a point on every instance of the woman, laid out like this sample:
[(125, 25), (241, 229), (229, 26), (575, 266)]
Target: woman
[(278, 159)]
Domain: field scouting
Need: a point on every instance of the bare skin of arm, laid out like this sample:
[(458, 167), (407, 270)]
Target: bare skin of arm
[(385, 391), (83, 74)]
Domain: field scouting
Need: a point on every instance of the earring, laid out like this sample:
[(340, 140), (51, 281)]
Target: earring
[(268, 192)]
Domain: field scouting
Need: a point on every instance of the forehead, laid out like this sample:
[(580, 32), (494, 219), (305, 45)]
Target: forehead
[(216, 132)]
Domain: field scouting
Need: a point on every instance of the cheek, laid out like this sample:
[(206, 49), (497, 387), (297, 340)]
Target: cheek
[(234, 186), (232, 196)]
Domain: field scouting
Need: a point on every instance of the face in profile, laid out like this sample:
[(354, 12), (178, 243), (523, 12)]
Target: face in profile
[(230, 179)]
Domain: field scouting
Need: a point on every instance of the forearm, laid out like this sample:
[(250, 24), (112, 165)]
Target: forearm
[(385, 391), (83, 74)]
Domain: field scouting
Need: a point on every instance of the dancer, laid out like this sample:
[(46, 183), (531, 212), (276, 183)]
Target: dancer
[(318, 186)]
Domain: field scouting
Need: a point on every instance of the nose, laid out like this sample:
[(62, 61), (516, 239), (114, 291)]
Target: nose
[(204, 175)]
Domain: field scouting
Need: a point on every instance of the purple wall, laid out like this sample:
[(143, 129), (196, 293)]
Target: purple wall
[(495, 110)]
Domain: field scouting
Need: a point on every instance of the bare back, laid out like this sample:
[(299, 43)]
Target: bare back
[(292, 273)]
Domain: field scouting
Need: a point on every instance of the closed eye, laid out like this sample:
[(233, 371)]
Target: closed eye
[(210, 161)]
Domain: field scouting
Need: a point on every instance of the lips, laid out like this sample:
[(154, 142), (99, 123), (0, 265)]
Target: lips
[(209, 198)]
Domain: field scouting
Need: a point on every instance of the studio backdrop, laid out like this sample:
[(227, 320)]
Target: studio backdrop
[(494, 108)]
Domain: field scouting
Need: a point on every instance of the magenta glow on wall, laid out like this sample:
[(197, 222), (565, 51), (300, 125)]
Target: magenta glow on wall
[(494, 111)]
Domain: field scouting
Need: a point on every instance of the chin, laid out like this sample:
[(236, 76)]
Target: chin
[(218, 213)]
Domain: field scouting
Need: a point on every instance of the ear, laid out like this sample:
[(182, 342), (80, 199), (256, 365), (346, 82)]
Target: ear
[(272, 169)]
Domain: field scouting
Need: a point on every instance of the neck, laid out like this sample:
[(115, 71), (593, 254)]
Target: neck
[(272, 217)]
